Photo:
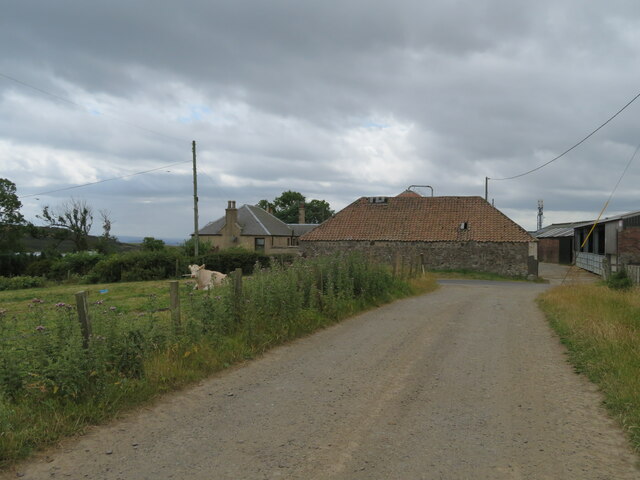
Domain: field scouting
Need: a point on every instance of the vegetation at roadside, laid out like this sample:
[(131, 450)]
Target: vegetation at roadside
[(601, 329), (51, 386)]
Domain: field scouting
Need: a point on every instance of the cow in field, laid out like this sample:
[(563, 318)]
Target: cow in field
[(205, 279)]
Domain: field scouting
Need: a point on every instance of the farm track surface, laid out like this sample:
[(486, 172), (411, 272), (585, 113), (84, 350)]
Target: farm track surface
[(468, 382)]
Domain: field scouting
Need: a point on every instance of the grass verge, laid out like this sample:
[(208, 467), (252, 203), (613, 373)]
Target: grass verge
[(278, 306), (601, 329)]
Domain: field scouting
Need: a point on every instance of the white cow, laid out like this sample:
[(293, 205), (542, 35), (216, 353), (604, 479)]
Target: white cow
[(205, 279)]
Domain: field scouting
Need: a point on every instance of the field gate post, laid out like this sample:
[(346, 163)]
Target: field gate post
[(82, 303), (174, 294)]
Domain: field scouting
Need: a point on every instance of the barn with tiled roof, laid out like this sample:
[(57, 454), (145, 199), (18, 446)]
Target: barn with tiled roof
[(444, 232)]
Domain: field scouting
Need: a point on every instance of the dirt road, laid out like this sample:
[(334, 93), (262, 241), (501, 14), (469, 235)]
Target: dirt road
[(465, 383)]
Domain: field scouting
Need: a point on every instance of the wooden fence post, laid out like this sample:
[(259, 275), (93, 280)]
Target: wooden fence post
[(422, 263), (83, 317), (174, 294), (237, 282)]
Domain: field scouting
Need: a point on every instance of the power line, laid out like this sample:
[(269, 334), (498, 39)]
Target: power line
[(86, 110), (574, 146), (103, 181), (606, 204)]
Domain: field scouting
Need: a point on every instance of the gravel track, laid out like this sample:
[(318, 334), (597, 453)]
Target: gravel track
[(468, 382)]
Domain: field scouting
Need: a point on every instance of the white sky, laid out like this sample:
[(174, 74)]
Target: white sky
[(334, 99)]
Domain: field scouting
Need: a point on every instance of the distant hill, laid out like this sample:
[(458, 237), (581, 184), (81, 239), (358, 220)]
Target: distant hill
[(44, 241), (134, 239)]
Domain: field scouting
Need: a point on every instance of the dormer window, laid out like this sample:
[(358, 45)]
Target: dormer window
[(464, 226)]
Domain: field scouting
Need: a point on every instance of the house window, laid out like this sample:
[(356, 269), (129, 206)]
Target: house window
[(259, 244)]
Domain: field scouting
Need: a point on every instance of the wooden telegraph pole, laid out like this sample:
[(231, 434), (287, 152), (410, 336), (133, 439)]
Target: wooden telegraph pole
[(195, 201)]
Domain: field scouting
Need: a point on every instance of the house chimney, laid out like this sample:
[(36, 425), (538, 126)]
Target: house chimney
[(301, 216), (231, 221)]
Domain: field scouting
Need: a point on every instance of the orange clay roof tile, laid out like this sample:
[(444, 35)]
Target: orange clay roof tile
[(420, 219)]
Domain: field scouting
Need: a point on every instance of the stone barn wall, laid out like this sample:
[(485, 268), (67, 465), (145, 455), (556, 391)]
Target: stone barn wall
[(504, 258)]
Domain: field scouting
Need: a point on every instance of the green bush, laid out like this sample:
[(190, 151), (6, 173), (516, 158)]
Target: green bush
[(620, 281), (139, 265), (20, 282), (39, 268), (79, 263), (228, 260)]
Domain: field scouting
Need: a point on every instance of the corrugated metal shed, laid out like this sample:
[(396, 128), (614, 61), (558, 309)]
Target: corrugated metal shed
[(558, 230)]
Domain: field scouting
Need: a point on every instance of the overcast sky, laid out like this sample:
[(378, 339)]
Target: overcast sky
[(334, 99)]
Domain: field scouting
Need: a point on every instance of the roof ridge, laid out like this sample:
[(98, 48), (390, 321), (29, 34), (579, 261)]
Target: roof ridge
[(267, 231)]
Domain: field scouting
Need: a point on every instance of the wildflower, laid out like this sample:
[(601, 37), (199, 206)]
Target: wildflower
[(99, 302), (113, 309), (37, 300), (40, 328), (61, 304)]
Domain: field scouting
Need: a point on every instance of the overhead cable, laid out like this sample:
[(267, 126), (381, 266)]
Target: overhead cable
[(103, 181), (574, 146)]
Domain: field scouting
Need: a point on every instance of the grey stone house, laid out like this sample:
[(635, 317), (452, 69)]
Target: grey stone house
[(446, 232), (254, 229)]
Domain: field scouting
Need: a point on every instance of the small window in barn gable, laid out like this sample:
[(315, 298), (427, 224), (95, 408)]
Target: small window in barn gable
[(464, 226)]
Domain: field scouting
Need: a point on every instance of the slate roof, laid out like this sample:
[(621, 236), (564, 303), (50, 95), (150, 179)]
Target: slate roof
[(420, 219), (253, 221), (300, 229)]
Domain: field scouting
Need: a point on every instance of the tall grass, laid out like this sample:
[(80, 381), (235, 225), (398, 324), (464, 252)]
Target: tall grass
[(601, 329), (50, 386)]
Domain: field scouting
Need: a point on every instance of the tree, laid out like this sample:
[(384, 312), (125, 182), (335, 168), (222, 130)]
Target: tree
[(151, 244), (265, 205), (317, 211), (286, 208), (106, 242), (11, 220), (75, 218)]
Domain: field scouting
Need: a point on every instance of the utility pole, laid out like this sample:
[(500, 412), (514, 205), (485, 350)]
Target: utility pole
[(195, 201), (540, 210), (486, 189)]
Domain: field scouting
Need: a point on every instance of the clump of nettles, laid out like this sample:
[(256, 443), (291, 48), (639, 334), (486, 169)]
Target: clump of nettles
[(620, 281)]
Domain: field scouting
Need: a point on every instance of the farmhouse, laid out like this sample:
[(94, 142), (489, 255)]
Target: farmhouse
[(254, 229), (444, 232), (614, 244)]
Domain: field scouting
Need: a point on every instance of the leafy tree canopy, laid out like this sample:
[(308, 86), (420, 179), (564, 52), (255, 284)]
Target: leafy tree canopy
[(11, 220), (286, 208)]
